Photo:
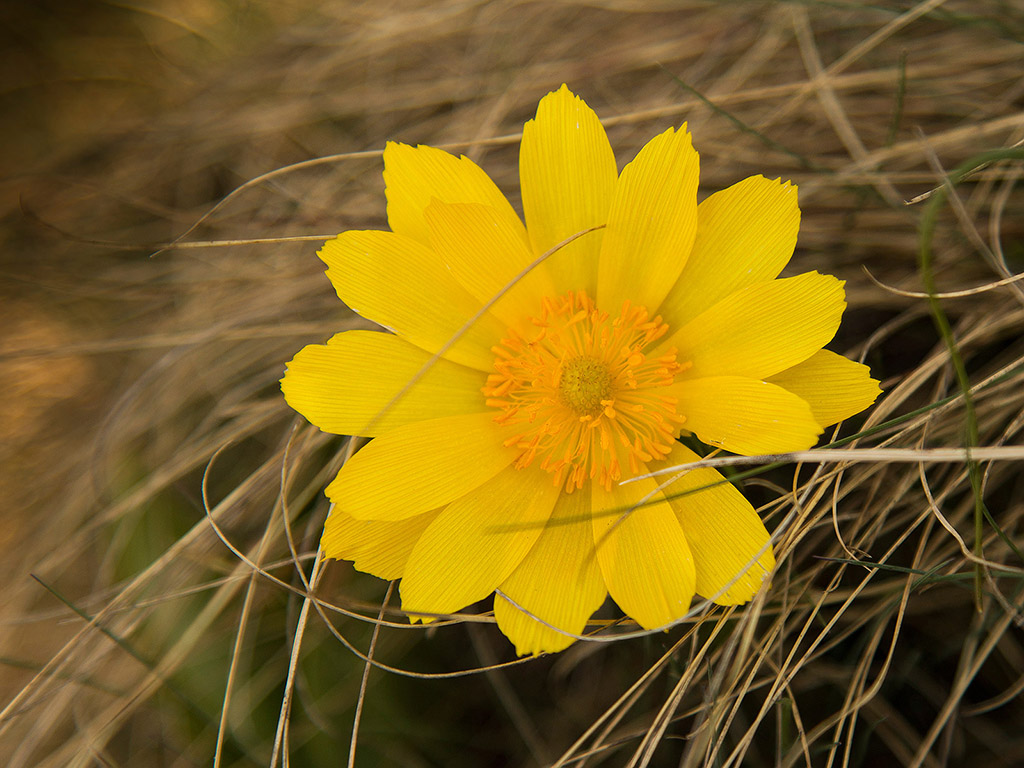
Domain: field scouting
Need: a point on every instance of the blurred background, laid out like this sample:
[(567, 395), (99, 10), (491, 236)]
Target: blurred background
[(169, 170)]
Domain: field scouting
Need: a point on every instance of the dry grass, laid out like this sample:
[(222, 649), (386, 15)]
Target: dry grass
[(132, 634)]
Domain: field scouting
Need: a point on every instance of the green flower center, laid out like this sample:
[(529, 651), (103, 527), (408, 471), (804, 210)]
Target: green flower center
[(584, 384)]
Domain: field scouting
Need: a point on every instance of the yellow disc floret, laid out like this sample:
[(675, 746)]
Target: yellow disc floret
[(580, 393)]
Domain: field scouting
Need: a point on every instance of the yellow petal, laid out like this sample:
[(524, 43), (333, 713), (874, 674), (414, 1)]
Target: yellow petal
[(835, 388), (567, 173), (413, 176), (643, 553), (724, 532), (745, 416), (380, 548), (348, 386), (404, 286), (762, 329), (558, 581), (420, 466), (477, 541), (745, 235), (484, 255), (651, 224)]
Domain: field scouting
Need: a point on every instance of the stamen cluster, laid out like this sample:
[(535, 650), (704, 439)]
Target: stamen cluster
[(582, 394)]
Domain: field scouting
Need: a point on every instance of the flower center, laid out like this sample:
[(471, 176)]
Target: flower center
[(580, 393), (584, 383)]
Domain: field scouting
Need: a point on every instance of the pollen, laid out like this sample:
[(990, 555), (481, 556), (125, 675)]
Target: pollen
[(581, 395)]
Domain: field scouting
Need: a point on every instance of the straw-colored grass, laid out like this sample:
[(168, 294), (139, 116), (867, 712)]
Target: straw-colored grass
[(169, 170)]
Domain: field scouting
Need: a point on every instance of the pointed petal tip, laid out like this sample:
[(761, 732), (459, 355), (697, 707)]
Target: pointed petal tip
[(654, 214), (835, 387)]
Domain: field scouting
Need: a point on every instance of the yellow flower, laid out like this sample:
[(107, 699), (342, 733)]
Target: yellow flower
[(499, 469)]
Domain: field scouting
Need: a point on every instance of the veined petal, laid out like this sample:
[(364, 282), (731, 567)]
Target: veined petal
[(419, 467), (404, 286), (643, 553), (477, 541), (762, 329), (559, 581), (484, 255), (349, 385), (413, 176), (745, 235), (745, 416), (567, 173), (835, 387), (380, 548), (651, 223), (724, 532)]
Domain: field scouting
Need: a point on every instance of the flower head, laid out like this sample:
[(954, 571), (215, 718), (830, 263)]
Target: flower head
[(498, 470)]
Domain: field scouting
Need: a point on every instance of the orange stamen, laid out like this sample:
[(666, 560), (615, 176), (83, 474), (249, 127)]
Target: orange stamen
[(582, 393)]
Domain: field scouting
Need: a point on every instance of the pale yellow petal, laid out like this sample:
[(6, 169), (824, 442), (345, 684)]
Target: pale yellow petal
[(651, 224), (413, 176), (762, 329), (420, 466), (380, 548), (745, 416), (477, 541), (349, 385), (745, 235), (725, 535), (485, 255), (558, 581), (404, 286), (835, 387), (643, 553), (567, 173)]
